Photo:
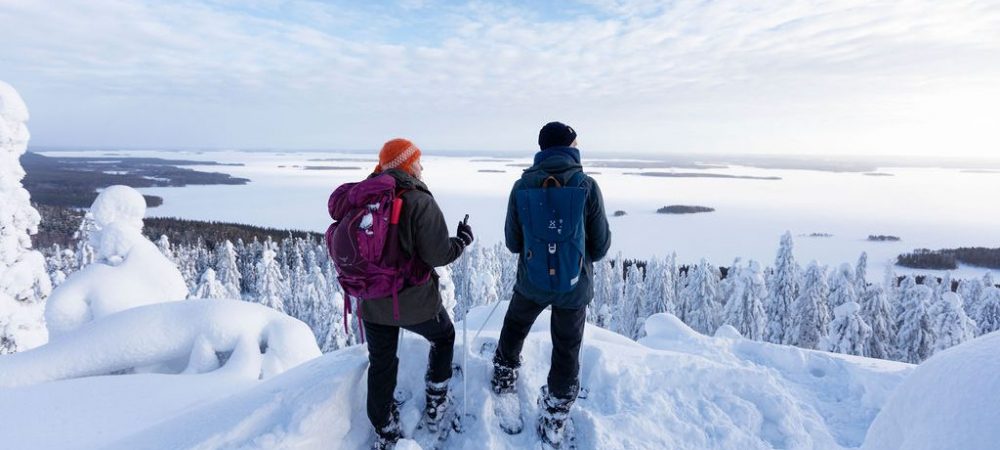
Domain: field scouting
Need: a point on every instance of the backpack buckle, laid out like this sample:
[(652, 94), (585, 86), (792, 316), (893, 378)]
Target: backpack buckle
[(552, 249)]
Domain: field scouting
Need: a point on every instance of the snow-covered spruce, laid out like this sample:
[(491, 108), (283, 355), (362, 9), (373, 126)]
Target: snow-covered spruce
[(745, 308), (810, 316), (129, 270), (24, 282), (914, 328), (700, 304), (783, 289), (849, 334), (950, 324)]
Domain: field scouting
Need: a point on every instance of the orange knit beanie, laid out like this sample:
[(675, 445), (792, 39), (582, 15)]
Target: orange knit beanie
[(398, 154)]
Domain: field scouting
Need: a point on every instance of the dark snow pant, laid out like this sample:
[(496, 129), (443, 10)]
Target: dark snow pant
[(567, 335), (383, 341)]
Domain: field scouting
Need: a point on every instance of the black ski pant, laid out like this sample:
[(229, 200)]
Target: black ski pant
[(383, 364), (567, 335)]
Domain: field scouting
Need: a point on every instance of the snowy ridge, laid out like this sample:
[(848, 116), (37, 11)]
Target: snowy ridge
[(674, 389)]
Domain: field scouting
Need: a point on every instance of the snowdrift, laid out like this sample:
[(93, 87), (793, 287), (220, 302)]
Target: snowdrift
[(949, 402), (128, 270), (195, 336), (676, 389)]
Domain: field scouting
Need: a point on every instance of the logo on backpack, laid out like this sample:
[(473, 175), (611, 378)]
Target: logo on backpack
[(554, 237)]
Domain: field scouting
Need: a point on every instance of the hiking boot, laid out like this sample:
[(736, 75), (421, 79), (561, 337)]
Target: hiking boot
[(504, 380), (387, 436), (436, 405), (553, 413)]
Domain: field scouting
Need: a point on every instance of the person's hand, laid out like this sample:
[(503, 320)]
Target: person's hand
[(465, 233)]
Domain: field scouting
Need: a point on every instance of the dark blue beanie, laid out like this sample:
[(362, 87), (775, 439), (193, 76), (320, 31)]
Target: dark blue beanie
[(556, 134)]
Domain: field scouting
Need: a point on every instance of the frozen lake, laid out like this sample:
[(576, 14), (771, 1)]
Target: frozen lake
[(926, 207)]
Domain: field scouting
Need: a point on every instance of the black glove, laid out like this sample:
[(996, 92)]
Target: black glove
[(465, 233)]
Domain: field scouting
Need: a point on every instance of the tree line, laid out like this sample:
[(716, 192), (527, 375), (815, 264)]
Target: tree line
[(816, 307)]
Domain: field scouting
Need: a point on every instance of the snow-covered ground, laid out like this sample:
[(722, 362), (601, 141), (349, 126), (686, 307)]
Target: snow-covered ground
[(926, 207), (674, 389)]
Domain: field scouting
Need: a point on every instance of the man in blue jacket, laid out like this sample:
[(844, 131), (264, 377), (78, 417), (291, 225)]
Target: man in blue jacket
[(559, 159)]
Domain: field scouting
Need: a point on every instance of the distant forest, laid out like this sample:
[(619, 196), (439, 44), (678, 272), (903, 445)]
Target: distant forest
[(72, 181), (948, 259), (60, 224)]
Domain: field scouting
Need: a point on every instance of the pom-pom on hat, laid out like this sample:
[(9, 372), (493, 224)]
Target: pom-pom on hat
[(556, 134), (398, 154)]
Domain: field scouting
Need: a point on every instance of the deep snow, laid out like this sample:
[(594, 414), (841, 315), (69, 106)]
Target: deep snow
[(951, 401), (674, 389)]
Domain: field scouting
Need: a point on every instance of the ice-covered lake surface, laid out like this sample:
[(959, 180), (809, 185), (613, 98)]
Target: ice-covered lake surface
[(926, 207)]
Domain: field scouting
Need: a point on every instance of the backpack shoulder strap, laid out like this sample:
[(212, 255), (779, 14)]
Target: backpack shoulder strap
[(577, 179)]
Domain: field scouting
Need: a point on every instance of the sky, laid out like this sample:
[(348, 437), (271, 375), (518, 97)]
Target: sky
[(802, 77)]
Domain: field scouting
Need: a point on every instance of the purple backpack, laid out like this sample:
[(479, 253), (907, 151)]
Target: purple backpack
[(363, 242)]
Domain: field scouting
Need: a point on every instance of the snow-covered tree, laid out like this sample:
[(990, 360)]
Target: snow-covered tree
[(849, 334), (944, 286), (661, 287), (163, 243), (631, 313), (209, 286), (604, 294), (951, 325), (271, 287), (730, 283), (84, 251), (915, 335), (446, 285), (877, 313), (227, 269), (970, 291), (988, 320), (783, 289), (701, 307), (842, 286), (482, 290), (810, 316), (745, 308), (24, 283), (861, 275)]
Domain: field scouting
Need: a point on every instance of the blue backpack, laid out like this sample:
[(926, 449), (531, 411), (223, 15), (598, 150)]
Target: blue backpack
[(554, 237)]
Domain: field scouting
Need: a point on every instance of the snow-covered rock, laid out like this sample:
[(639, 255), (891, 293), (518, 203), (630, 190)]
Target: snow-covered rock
[(129, 270), (676, 389), (24, 283), (247, 340), (949, 402)]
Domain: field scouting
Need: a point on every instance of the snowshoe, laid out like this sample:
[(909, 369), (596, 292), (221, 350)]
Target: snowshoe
[(506, 404), (553, 420), (440, 416)]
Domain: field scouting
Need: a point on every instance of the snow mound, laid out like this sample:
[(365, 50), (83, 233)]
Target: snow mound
[(129, 270), (247, 340), (119, 204), (676, 389), (949, 402)]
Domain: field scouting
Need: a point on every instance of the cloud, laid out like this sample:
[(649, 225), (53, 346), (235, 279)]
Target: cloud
[(717, 76)]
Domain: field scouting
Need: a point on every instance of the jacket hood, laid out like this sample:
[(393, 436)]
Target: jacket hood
[(556, 160), (404, 180)]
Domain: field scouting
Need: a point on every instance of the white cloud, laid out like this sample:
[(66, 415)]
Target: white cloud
[(798, 76)]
